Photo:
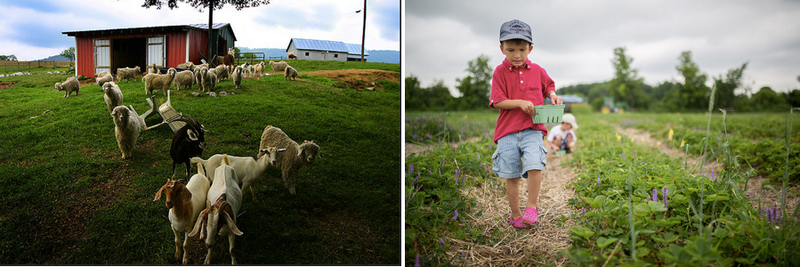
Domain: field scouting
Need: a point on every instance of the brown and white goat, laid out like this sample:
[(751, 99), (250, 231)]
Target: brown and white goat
[(184, 203), (227, 198)]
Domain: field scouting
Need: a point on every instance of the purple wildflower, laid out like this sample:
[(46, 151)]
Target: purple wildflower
[(410, 170), (443, 243), (440, 170), (583, 212), (456, 179), (762, 211), (455, 217), (598, 180), (442, 162), (666, 198), (712, 175), (454, 150), (415, 180), (655, 194), (623, 155), (416, 262), (634, 153), (612, 161)]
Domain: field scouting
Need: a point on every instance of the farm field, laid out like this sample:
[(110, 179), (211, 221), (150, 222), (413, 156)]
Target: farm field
[(585, 219), (68, 198)]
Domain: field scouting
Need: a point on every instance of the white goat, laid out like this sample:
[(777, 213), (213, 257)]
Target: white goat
[(227, 197), (184, 204), (237, 77), (248, 170), (293, 159), (112, 95)]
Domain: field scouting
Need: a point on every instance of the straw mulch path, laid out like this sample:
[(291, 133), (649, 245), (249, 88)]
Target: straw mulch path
[(754, 188), (542, 244)]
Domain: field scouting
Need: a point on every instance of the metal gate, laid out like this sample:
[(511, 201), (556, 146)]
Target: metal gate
[(102, 55)]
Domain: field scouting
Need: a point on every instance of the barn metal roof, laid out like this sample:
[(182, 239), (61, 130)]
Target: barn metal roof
[(323, 45), (150, 29)]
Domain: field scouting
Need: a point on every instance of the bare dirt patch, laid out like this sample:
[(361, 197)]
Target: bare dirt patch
[(357, 78), (6, 85)]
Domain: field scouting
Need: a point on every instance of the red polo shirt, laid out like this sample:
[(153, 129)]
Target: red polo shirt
[(529, 82)]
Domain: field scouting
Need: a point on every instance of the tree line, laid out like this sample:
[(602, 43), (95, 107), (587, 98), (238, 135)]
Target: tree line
[(626, 88)]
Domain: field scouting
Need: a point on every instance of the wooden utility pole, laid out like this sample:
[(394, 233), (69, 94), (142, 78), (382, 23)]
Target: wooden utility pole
[(363, 30), (210, 31)]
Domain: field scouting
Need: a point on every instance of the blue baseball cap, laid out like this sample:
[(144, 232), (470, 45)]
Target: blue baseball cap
[(516, 29)]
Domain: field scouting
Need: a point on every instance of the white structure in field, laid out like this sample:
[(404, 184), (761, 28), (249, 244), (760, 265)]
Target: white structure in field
[(325, 50)]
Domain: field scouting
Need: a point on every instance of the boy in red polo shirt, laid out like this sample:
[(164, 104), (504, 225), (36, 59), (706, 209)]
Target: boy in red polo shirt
[(518, 85)]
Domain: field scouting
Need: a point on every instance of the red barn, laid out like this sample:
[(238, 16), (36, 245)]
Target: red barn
[(165, 46)]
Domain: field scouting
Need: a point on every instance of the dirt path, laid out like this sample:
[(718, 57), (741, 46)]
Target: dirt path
[(541, 244), (754, 188)]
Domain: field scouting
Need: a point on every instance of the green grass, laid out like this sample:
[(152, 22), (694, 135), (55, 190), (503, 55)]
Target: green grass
[(66, 197)]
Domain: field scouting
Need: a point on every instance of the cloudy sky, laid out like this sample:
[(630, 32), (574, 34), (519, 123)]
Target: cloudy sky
[(574, 40), (31, 29)]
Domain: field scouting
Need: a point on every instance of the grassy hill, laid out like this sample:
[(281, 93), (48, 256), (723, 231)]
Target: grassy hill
[(66, 197)]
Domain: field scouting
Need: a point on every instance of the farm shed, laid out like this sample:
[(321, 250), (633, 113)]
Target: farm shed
[(165, 46), (325, 50)]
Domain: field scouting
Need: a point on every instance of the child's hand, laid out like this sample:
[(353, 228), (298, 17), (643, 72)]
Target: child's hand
[(527, 107), (556, 100)]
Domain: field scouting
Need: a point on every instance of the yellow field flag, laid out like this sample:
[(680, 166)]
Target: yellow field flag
[(619, 137), (682, 143), (670, 134), (658, 144)]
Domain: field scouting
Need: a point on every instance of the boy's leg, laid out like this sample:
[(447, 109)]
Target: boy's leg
[(512, 190), (569, 141), (556, 142), (534, 185)]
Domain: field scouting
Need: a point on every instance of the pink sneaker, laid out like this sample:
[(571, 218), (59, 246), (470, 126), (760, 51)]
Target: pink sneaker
[(517, 223), (530, 216)]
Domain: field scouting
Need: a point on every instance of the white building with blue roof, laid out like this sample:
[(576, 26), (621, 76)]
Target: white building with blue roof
[(325, 50)]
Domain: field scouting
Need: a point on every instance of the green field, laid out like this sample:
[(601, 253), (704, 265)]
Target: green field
[(705, 221), (67, 198)]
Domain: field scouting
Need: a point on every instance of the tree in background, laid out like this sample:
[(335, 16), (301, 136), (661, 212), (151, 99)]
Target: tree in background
[(11, 57), (476, 86), (767, 99), (727, 85), (693, 91), (436, 97), (626, 85), (69, 53), (210, 5)]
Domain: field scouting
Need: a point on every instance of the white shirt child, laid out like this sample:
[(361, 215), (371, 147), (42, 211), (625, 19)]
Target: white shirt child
[(556, 131)]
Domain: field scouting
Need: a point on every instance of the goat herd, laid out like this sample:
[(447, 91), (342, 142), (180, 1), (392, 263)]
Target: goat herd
[(209, 202)]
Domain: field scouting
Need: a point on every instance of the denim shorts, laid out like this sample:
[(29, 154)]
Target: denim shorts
[(527, 145)]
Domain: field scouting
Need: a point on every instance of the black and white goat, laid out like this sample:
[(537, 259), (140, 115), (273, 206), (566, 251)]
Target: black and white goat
[(187, 142)]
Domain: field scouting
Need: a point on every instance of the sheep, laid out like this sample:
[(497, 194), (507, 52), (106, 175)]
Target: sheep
[(248, 170), (112, 95), (70, 85), (102, 73), (246, 67), (104, 79), (128, 124), (127, 73), (184, 204), (227, 197), (199, 71), (186, 65), (209, 80), (184, 78), (222, 72), (187, 142), (237, 77), (290, 73), (296, 156), (158, 81), (258, 69), (278, 66)]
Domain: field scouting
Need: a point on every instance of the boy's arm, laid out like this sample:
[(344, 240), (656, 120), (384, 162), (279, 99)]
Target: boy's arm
[(525, 105)]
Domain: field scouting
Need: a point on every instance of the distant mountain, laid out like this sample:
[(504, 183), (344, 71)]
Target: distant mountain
[(55, 58), (385, 56)]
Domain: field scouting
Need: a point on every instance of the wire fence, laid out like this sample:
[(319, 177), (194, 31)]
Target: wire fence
[(12, 66)]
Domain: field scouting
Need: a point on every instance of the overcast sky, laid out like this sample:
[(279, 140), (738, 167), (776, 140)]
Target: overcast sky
[(31, 29), (574, 40)]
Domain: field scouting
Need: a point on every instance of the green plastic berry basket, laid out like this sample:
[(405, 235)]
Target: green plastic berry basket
[(548, 114), (561, 153)]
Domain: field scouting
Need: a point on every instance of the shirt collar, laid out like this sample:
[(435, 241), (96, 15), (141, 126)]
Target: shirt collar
[(510, 67)]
